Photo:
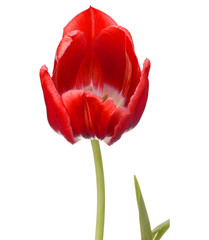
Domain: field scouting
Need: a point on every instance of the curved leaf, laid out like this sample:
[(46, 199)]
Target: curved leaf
[(159, 231)]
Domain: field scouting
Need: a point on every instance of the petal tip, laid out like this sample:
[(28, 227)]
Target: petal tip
[(43, 72), (146, 65), (43, 69)]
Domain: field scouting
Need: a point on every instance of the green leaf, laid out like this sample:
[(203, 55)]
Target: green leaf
[(159, 231), (146, 233)]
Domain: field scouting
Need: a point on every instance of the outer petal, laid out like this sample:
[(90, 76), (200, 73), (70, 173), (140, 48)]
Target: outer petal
[(57, 115), (135, 108), (139, 99), (90, 21), (90, 116), (119, 129)]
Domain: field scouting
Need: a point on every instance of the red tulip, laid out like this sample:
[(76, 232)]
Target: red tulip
[(97, 89)]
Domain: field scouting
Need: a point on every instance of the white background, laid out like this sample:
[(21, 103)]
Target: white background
[(47, 186)]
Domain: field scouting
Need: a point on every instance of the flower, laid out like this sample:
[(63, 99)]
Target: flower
[(97, 89)]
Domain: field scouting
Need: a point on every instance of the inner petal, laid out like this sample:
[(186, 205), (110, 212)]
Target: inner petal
[(110, 49), (120, 69), (69, 56), (90, 78)]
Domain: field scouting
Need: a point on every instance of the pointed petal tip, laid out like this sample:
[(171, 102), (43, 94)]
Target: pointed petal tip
[(43, 69), (146, 66), (43, 72), (92, 9), (63, 45)]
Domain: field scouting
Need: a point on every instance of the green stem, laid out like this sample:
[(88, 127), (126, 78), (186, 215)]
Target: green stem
[(100, 190)]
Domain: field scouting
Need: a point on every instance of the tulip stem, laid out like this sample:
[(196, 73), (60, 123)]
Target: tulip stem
[(100, 190)]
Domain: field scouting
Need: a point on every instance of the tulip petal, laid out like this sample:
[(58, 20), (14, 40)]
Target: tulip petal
[(89, 75), (57, 115), (70, 54), (132, 71), (138, 100), (90, 116), (135, 108), (109, 48), (119, 120), (115, 52), (120, 127), (91, 22)]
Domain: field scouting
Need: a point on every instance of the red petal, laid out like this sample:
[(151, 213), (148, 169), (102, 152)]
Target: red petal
[(90, 74), (69, 56), (120, 68), (57, 115), (64, 44), (139, 99), (120, 127), (90, 116), (135, 108), (91, 22), (132, 70)]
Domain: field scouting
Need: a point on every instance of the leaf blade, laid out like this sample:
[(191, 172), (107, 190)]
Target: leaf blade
[(146, 233)]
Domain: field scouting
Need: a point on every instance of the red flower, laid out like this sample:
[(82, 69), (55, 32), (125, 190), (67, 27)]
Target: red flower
[(97, 88)]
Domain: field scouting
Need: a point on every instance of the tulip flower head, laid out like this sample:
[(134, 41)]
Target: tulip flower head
[(97, 89)]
